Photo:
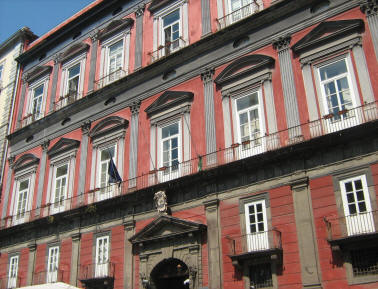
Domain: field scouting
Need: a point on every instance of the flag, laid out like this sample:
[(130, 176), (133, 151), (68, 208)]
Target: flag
[(114, 176)]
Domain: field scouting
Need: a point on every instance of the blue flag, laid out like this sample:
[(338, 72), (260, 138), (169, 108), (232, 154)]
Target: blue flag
[(114, 176)]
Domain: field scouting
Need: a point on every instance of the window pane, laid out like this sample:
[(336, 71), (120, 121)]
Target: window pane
[(74, 70), (352, 209), (247, 101), (358, 184), (172, 17), (24, 185), (61, 171), (169, 130), (350, 198), (38, 91), (333, 69), (362, 207), (348, 187)]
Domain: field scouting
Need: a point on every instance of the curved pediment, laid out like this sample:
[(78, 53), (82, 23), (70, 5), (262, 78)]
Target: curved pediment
[(243, 67), (73, 51), (115, 26), (327, 32), (166, 227), (108, 125), (37, 72), (63, 145), (25, 161), (168, 100)]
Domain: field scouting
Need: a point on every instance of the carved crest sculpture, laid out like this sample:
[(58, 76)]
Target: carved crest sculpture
[(160, 200)]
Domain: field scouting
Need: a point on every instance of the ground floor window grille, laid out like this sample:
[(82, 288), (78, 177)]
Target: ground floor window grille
[(260, 276), (365, 262)]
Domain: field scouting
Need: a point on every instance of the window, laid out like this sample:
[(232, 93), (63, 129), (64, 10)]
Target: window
[(36, 101), (115, 60), (238, 9), (250, 124), (260, 276), (170, 148), (1, 74), (364, 262), (170, 29), (104, 155), (13, 271), (357, 207), (52, 265), (21, 201), (102, 257), (256, 226), (338, 95), (60, 188)]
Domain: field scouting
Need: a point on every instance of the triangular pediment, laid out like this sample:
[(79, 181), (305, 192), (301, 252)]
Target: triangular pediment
[(25, 161), (63, 145), (166, 227), (108, 125), (73, 51), (37, 72), (168, 100), (115, 26), (327, 32), (243, 67)]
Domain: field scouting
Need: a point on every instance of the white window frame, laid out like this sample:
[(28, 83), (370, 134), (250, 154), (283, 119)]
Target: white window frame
[(158, 33), (13, 271), (108, 191), (256, 241), (52, 264), (64, 93), (360, 222), (1, 75), (68, 158), (102, 262), (330, 124), (30, 103), (167, 174), (105, 49), (242, 151), (21, 176)]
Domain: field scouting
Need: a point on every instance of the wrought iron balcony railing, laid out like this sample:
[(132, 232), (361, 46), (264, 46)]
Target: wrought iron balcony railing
[(44, 277), (347, 227), (28, 119), (167, 49), (265, 143), (109, 78), (67, 99), (97, 271), (239, 14), (10, 283)]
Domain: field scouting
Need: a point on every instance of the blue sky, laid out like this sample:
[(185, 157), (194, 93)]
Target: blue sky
[(39, 15)]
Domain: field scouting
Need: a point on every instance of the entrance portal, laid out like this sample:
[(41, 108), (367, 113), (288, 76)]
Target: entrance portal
[(170, 274)]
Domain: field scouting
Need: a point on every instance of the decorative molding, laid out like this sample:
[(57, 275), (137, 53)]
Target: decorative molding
[(108, 125), (73, 50), (63, 145), (32, 247), (369, 7), (37, 72), (211, 205), (129, 225), (135, 106), (94, 36), (25, 161), (282, 43), (76, 237), (158, 4), (207, 75), (140, 10), (160, 202), (168, 100), (86, 127), (299, 183), (11, 160), (243, 67), (56, 58), (114, 27), (45, 145)]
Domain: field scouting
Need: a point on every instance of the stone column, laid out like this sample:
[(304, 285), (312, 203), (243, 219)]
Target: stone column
[(7, 189), (208, 92), (206, 17), (139, 12), (31, 262), (42, 172), (304, 221), (133, 161), (22, 100), (54, 82), (370, 8), (128, 268), (92, 68), (75, 258), (214, 244), (282, 45), (85, 128)]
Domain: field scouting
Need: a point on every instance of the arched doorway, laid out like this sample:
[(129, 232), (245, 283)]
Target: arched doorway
[(170, 274)]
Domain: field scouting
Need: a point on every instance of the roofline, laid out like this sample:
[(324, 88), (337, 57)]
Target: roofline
[(64, 28), (20, 35)]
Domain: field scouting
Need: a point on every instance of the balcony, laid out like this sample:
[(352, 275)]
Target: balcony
[(351, 229), (266, 244), (97, 275), (110, 78), (239, 14), (44, 277), (9, 283), (67, 99), (236, 152), (28, 119), (167, 49)]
